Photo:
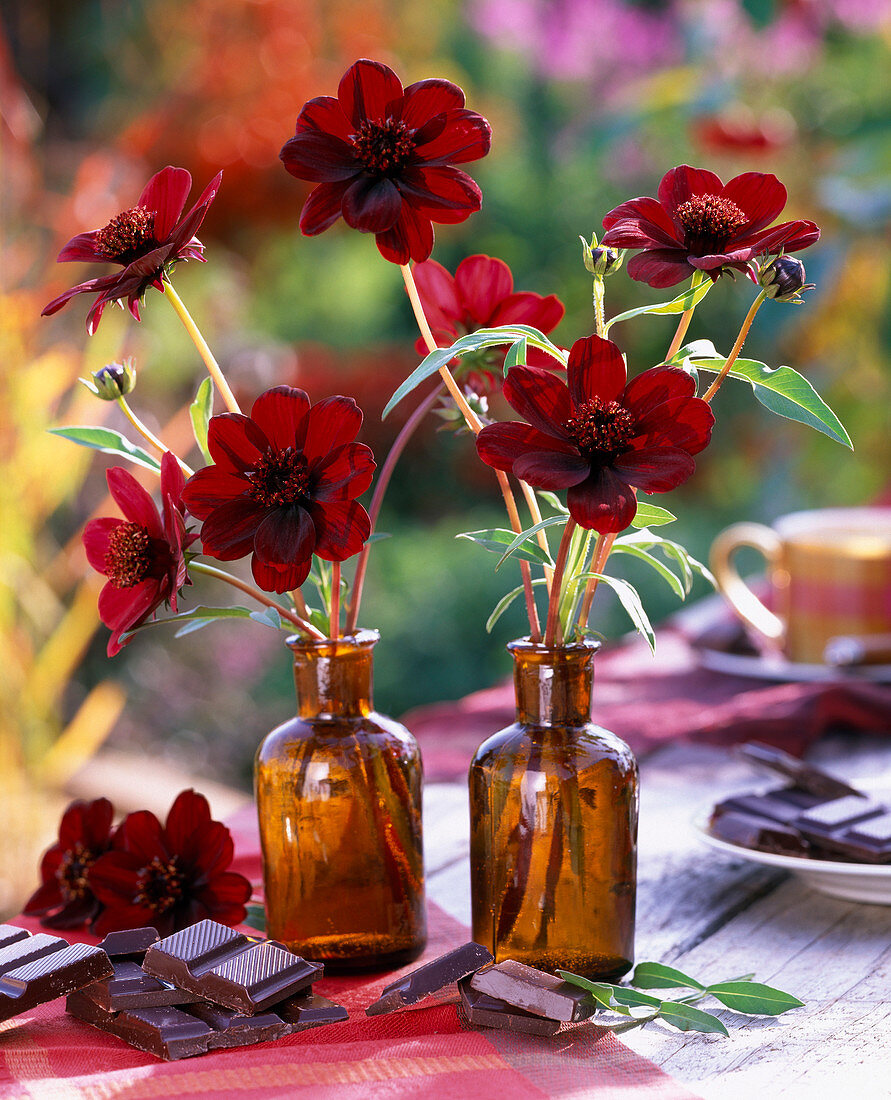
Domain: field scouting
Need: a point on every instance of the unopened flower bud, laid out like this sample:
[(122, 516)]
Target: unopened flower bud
[(783, 279), (114, 380), (601, 261)]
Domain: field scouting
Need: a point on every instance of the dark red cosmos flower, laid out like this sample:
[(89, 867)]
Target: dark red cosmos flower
[(283, 486), (382, 157), (599, 437), (143, 555), (146, 240), (697, 223), (65, 897), (481, 295), (171, 876)]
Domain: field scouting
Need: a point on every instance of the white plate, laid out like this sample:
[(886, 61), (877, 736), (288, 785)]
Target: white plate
[(869, 882), (776, 668)]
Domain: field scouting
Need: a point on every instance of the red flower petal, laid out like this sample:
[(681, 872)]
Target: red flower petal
[(603, 503), (235, 442), (329, 424), (342, 528), (325, 114), (679, 422), (183, 234), (123, 608), (788, 237), (411, 238), (526, 308), (482, 282), (595, 369), (189, 813), (760, 196), (319, 157), (683, 182), (426, 98), (439, 296), (655, 469), (82, 249), (323, 207), (228, 888), (140, 839), (121, 915), (640, 223), (272, 579), (228, 532), (455, 137), (345, 473), (285, 536), (652, 387), (539, 397), (281, 413), (551, 470), (370, 204), (660, 267), (47, 896), (369, 90), (134, 501), (208, 853), (166, 193), (500, 445), (95, 540), (209, 487), (445, 194)]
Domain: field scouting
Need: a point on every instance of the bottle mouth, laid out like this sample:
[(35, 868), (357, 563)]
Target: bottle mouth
[(587, 647), (362, 639)]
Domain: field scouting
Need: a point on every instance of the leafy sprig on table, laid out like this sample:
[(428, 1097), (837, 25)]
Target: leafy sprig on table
[(741, 994)]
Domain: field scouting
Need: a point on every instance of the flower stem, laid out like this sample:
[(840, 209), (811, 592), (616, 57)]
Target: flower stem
[(598, 562), (559, 567), (737, 347), (599, 320), (335, 600), (383, 480), (150, 436), (213, 367), (684, 322), (475, 424), (256, 594)]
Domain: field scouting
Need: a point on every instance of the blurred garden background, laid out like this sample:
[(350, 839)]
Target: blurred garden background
[(590, 101)]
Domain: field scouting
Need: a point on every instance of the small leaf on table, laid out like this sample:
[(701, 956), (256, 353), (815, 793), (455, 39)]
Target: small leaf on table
[(753, 998)]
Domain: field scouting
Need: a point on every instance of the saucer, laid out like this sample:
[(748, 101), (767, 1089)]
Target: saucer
[(758, 667)]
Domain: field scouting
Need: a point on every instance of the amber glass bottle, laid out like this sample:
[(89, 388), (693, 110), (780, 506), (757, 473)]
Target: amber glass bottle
[(553, 816), (339, 800)]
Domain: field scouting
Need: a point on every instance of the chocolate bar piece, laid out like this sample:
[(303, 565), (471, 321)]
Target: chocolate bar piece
[(309, 1009), (430, 977), (9, 933), (230, 1028), (485, 1011), (40, 968), (166, 1032), (226, 967), (533, 990), (758, 833), (853, 826), (131, 987), (805, 776), (783, 805), (129, 943)]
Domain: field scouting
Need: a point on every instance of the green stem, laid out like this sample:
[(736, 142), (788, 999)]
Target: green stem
[(598, 562), (213, 367), (684, 322), (737, 347), (335, 600), (559, 569), (150, 436), (599, 319), (256, 594)]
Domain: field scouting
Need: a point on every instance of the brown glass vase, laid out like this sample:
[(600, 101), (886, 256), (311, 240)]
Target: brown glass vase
[(338, 792), (553, 817)]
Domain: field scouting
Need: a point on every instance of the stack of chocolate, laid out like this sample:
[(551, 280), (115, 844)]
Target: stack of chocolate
[(507, 995), (816, 816), (37, 969), (201, 989)]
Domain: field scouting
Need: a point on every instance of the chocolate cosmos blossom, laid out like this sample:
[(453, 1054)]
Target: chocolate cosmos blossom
[(172, 876), (283, 486), (146, 240), (597, 436), (142, 555), (65, 897), (481, 295), (382, 157), (697, 223)]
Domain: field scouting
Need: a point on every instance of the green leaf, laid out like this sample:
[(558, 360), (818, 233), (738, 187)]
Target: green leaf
[(109, 442), (653, 975), (674, 583), (377, 536), (516, 355), (271, 616), (256, 917), (687, 1018), (754, 998), (474, 341), (785, 392), (602, 992), (200, 411), (651, 515), (505, 602), (645, 540), (681, 304), (633, 998), (630, 600), (530, 532), (553, 500), (496, 538), (194, 619)]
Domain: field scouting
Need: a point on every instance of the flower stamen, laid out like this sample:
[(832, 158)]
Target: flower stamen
[(128, 235), (73, 871), (159, 885), (279, 477), (128, 558), (709, 222), (383, 147), (600, 427)]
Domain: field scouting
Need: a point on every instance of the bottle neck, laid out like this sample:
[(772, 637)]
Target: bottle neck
[(553, 685), (333, 679)]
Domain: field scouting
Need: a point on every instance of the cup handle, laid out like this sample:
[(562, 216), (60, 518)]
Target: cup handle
[(734, 589)]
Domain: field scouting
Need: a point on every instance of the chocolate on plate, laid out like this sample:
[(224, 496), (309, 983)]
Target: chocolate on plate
[(36, 969), (852, 826), (227, 967), (430, 977), (805, 776), (482, 1010), (534, 990), (758, 833)]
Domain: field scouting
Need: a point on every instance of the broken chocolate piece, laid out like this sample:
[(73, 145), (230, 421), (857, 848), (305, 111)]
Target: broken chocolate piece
[(40, 968), (783, 805), (805, 776), (129, 943), (485, 1011), (131, 987), (9, 933), (226, 967), (166, 1032), (854, 827), (309, 1009), (533, 990), (758, 833), (430, 977), (230, 1028)]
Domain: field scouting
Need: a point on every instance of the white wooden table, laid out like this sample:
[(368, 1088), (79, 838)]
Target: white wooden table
[(716, 917)]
